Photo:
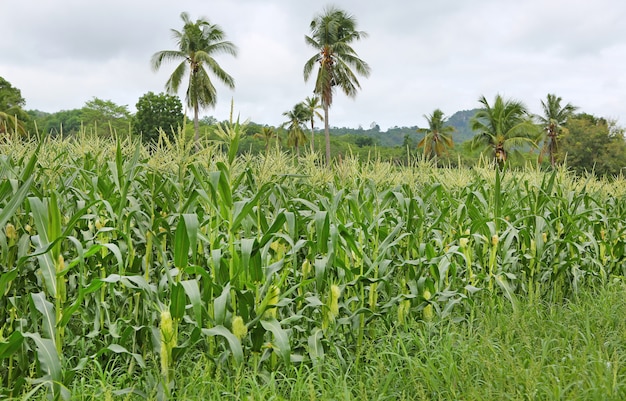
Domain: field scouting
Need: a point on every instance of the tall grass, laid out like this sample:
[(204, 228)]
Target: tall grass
[(116, 258)]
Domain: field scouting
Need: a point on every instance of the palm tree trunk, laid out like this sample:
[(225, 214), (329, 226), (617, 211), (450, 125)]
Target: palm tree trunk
[(327, 134), (312, 136), (196, 127)]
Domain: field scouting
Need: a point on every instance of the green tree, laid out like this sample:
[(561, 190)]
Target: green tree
[(267, 134), (64, 122), (313, 104), (504, 127), (12, 116), (553, 119), (593, 144), (332, 33), (104, 117), (156, 112), (438, 135), (297, 117), (198, 43)]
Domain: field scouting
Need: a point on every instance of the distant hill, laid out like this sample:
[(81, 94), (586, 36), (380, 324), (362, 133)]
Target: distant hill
[(397, 136), (460, 120)]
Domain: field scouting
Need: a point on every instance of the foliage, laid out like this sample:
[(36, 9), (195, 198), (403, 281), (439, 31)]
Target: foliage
[(593, 144), (552, 121), (155, 113), (297, 118), (125, 262), (12, 117), (438, 135), (198, 43), (332, 33), (503, 128), (312, 104), (105, 118)]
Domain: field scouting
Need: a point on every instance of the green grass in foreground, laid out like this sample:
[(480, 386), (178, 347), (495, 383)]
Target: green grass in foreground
[(572, 351)]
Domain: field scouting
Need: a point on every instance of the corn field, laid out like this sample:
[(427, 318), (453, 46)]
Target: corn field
[(122, 256)]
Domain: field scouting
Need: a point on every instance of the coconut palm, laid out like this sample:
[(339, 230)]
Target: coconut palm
[(297, 117), (552, 121), (198, 43), (438, 135), (312, 106), (10, 123), (503, 127), (266, 134), (332, 32)]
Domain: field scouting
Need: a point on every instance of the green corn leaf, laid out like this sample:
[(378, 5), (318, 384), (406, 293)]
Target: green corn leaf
[(233, 342), (49, 362), (193, 292), (220, 304), (118, 349), (178, 301), (5, 279), (11, 344), (16, 200), (316, 349), (281, 339), (47, 311), (181, 245)]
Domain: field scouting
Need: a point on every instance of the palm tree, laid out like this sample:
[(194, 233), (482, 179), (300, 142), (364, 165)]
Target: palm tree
[(197, 43), (438, 135), (332, 32), (10, 123), (312, 106), (297, 118), (266, 134), (553, 119), (503, 127)]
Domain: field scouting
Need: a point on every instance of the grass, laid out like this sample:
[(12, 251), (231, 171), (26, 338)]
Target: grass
[(575, 350)]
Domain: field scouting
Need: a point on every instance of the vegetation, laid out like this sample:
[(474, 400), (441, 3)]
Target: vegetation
[(503, 128), (297, 117), (438, 135), (120, 267), (198, 43), (332, 33), (593, 144), (554, 118), (12, 117), (156, 113)]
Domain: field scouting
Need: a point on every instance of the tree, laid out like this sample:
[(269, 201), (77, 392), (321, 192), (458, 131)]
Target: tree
[(553, 119), (438, 135), (312, 106), (198, 43), (298, 116), (12, 116), (155, 112), (104, 116), (503, 127), (266, 134), (595, 144), (332, 32)]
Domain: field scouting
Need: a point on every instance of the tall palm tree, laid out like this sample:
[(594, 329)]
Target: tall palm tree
[(297, 117), (198, 43), (332, 32), (438, 135), (266, 134), (313, 105), (502, 127), (552, 121)]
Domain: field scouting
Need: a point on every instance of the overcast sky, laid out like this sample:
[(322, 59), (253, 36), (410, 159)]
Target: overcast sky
[(423, 54)]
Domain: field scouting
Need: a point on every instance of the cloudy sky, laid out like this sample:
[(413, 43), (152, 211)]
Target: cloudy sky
[(423, 54)]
